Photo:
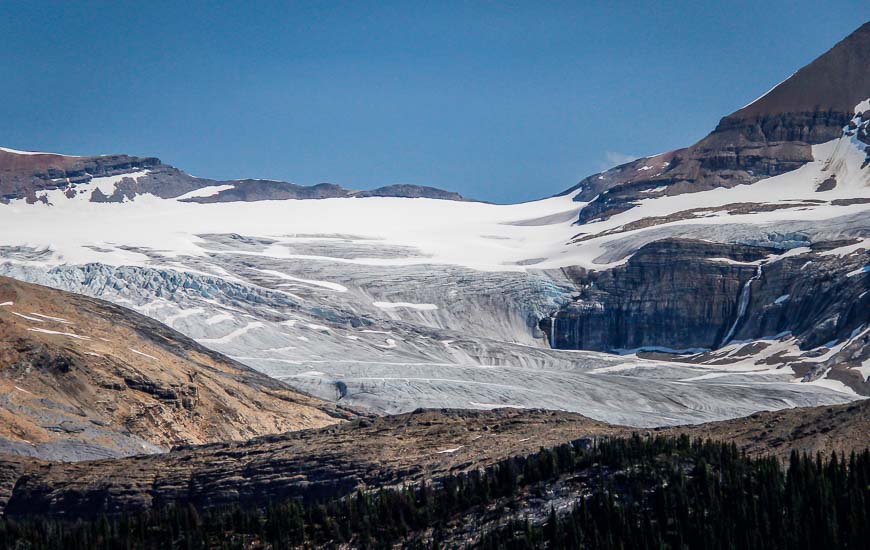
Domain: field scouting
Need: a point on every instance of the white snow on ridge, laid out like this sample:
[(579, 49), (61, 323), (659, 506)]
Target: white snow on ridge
[(209, 191), (444, 232), (768, 91), (17, 152), (107, 184), (831, 384)]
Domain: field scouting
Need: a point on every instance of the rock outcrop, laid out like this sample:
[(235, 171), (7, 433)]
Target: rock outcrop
[(26, 175)]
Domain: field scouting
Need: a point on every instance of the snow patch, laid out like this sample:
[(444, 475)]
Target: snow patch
[(450, 451), (50, 318), (70, 334), (210, 191), (406, 305), (28, 317), (142, 353), (17, 152)]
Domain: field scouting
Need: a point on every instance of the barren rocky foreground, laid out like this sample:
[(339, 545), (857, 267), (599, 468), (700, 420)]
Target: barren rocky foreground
[(370, 453)]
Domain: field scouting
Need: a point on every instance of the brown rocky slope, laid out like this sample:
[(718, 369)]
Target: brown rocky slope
[(368, 453), (81, 378)]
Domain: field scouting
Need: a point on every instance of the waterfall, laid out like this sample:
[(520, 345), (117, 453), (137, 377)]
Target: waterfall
[(745, 295)]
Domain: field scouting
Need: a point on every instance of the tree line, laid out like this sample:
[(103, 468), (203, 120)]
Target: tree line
[(639, 492)]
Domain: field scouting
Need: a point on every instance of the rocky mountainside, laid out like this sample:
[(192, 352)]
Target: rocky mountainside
[(28, 175), (698, 278), (82, 378), (754, 298), (371, 453), (771, 136)]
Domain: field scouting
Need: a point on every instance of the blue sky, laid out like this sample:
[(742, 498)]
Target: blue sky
[(502, 101)]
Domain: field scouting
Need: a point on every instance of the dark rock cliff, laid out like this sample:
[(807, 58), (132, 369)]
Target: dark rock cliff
[(686, 295)]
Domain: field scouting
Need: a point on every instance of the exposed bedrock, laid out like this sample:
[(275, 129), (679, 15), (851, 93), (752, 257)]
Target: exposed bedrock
[(687, 294), (771, 136), (25, 175), (739, 151)]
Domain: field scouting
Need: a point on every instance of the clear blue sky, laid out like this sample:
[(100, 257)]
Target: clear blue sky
[(504, 101)]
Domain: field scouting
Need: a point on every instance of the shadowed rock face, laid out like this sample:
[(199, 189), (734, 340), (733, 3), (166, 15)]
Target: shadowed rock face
[(372, 453), (692, 295), (771, 136), (649, 301)]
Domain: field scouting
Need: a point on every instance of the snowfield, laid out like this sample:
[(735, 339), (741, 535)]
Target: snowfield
[(395, 304), (478, 236)]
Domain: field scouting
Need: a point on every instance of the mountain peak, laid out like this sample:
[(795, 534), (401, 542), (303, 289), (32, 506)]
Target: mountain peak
[(835, 81), (771, 136)]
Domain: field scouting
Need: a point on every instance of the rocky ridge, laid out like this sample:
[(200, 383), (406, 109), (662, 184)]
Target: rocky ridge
[(26, 175), (82, 378)]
